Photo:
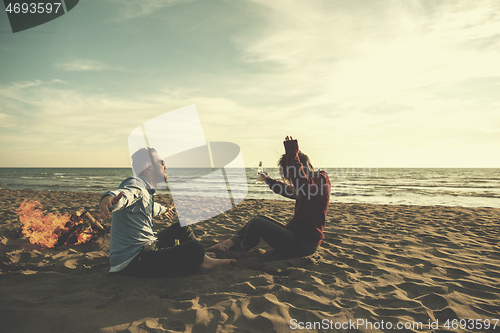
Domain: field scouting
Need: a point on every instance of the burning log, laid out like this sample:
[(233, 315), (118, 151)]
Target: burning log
[(70, 234), (94, 224), (50, 230)]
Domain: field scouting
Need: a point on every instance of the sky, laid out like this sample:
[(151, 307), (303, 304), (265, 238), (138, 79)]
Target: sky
[(359, 83)]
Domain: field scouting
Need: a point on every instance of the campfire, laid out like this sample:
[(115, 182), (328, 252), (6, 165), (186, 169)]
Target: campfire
[(52, 230)]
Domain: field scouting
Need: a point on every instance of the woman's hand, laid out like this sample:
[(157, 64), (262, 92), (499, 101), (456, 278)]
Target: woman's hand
[(288, 138), (261, 176)]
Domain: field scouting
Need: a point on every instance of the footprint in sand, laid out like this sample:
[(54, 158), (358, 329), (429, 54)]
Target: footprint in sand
[(445, 314), (419, 288), (71, 264), (433, 301)]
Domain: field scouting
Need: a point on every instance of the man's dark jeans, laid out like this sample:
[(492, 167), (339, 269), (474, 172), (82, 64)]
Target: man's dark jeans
[(164, 259)]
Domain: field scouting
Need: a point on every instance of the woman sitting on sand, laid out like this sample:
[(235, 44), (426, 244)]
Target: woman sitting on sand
[(311, 190)]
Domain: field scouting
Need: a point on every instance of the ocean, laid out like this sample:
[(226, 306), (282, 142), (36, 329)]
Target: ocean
[(406, 186)]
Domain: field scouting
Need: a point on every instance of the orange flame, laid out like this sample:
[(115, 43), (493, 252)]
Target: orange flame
[(84, 237), (45, 229)]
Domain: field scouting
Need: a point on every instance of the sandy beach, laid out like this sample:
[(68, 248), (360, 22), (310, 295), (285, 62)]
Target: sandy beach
[(378, 265)]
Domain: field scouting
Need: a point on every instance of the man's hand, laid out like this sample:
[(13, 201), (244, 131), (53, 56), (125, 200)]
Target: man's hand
[(107, 202), (169, 213)]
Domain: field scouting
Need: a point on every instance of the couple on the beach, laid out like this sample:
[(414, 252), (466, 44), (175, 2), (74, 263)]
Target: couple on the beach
[(135, 249)]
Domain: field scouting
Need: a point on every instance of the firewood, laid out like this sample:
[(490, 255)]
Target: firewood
[(77, 216), (93, 222), (72, 228), (89, 220)]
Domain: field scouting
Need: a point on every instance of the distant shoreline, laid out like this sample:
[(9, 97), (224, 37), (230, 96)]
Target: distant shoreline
[(457, 187)]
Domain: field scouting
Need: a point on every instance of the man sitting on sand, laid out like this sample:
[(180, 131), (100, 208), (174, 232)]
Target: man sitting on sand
[(311, 190), (135, 249)]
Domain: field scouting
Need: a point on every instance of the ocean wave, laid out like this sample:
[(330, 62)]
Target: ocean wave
[(433, 186), (451, 185)]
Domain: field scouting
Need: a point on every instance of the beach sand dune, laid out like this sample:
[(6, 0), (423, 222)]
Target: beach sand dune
[(378, 263)]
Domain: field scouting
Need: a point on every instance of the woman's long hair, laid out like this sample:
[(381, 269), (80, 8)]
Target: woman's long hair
[(287, 172)]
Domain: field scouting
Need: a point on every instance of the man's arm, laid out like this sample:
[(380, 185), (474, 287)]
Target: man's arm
[(107, 201), (159, 210), (127, 194)]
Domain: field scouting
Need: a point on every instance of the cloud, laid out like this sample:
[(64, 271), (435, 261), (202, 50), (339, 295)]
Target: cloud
[(131, 9), (85, 65), (359, 55), (5, 121), (55, 116), (375, 49), (380, 74), (348, 78), (54, 109)]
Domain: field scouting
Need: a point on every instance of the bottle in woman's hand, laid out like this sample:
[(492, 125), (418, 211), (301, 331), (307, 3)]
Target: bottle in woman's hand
[(259, 172)]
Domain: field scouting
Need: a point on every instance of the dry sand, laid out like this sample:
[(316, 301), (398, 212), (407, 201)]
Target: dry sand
[(405, 264)]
